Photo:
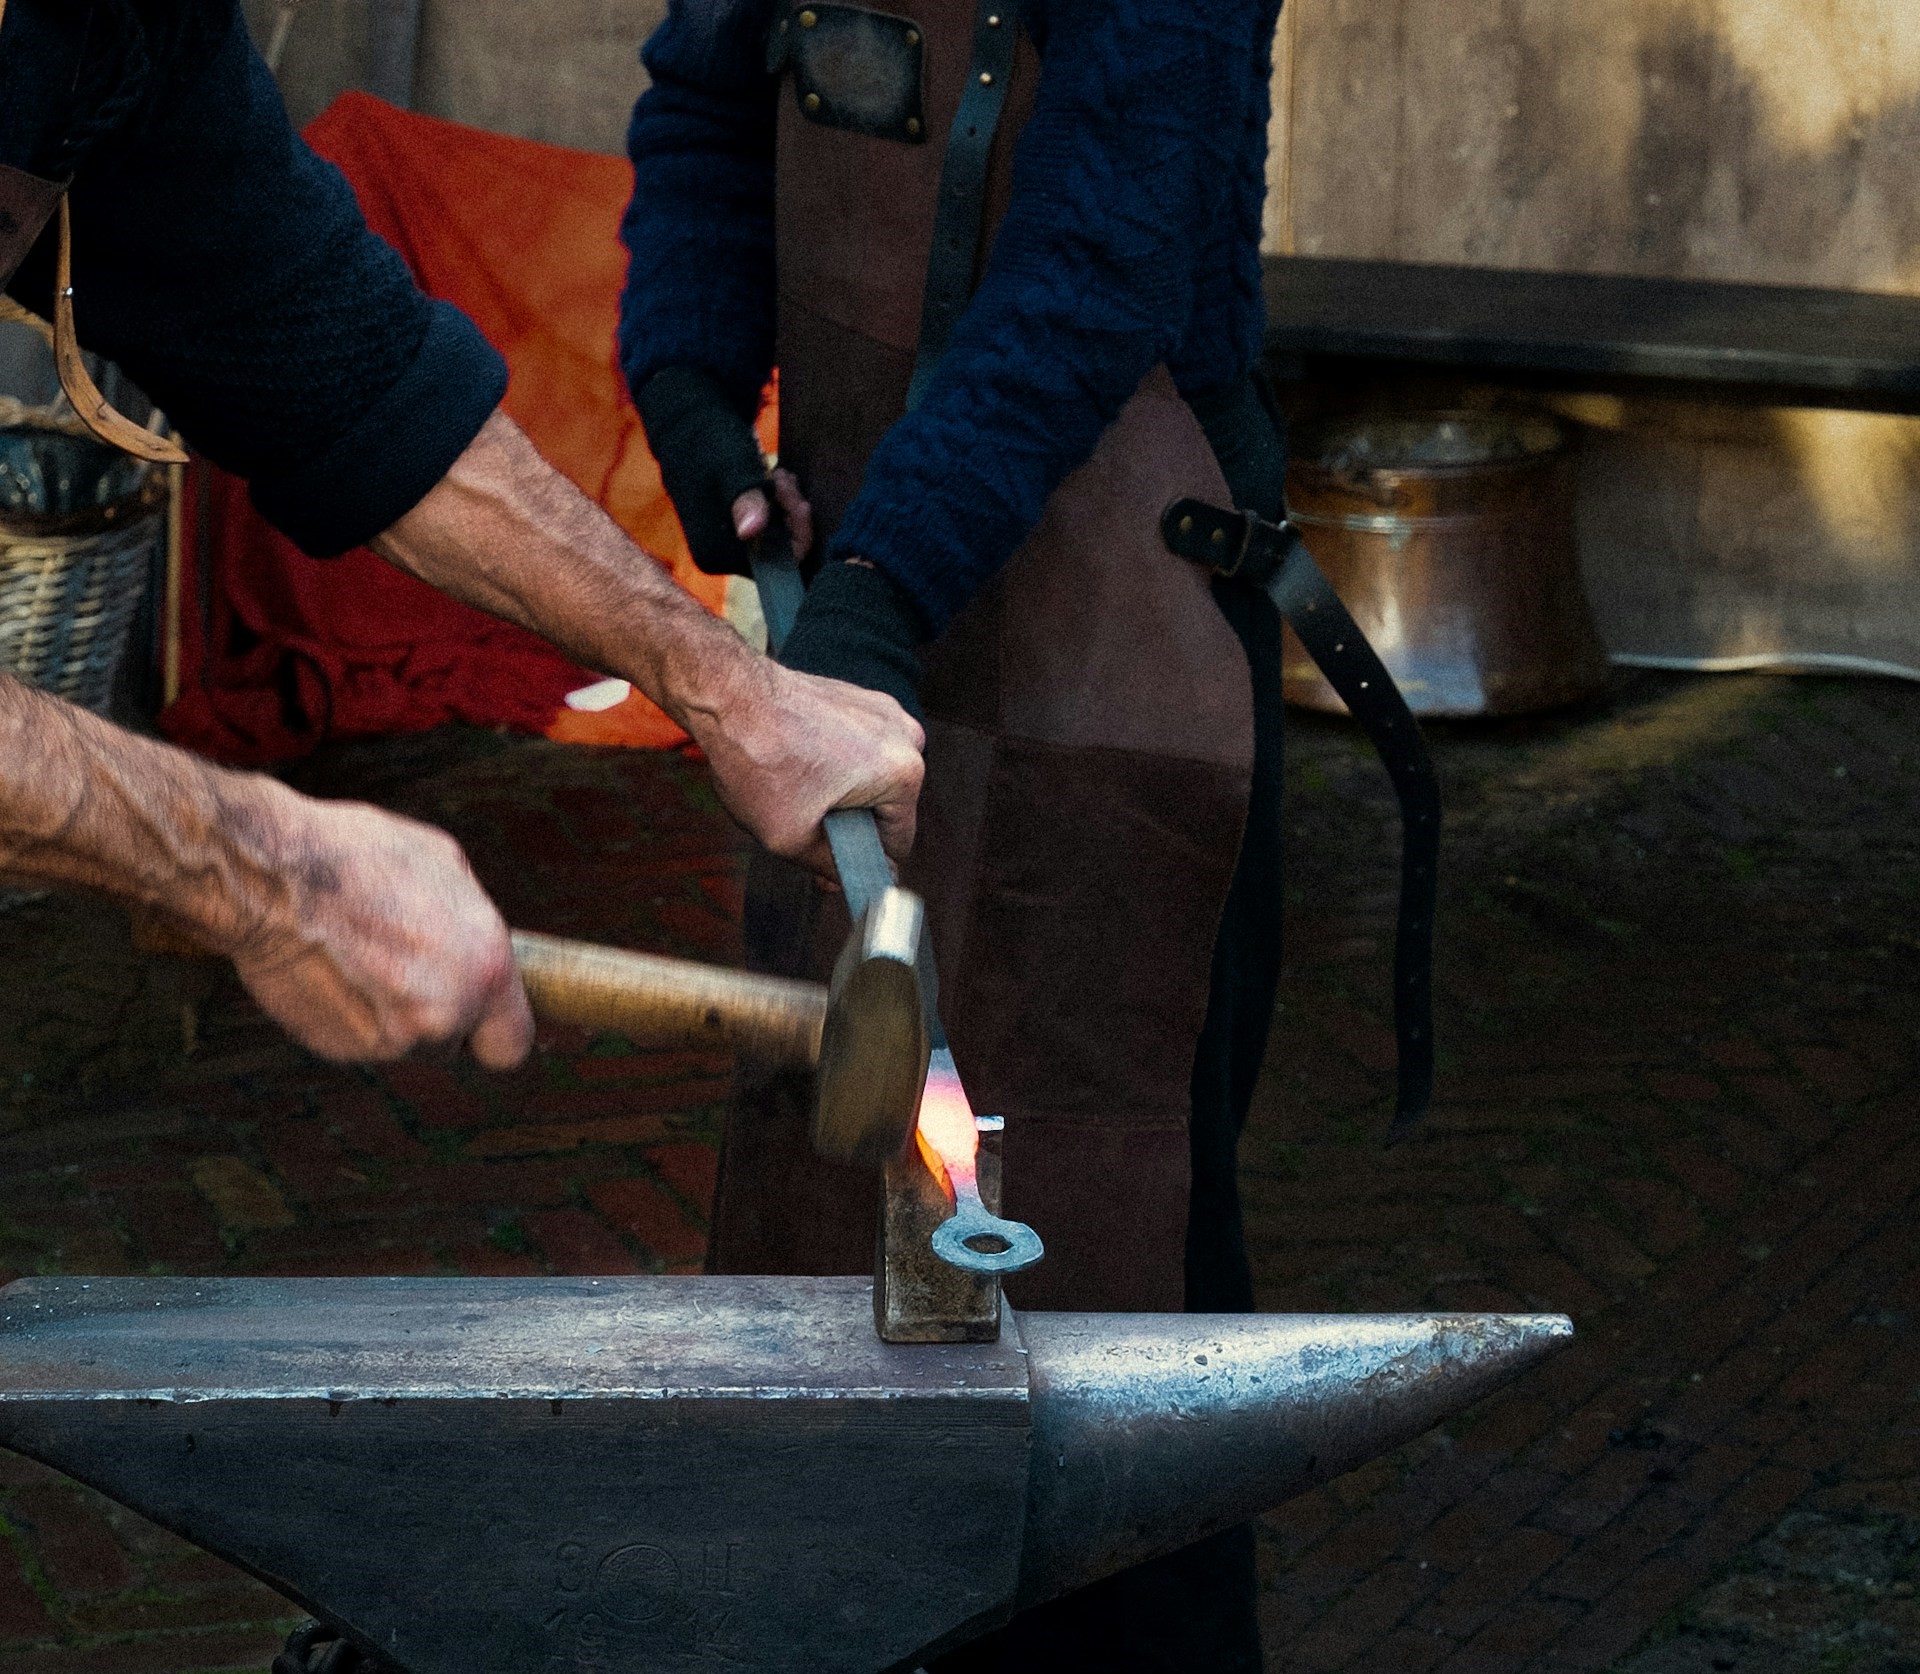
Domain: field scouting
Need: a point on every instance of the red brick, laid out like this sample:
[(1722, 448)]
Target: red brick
[(642, 1210), (1706, 1177), (367, 1126), (550, 1138), (1494, 1576), (1738, 1054), (692, 1169), (1406, 1651), (74, 1543), (1681, 1086), (1837, 1074), (1664, 1221), (1601, 1249), (310, 1160), (574, 1242), (222, 1650), (22, 1615), (438, 1097), (703, 933), (1512, 1639), (726, 891)]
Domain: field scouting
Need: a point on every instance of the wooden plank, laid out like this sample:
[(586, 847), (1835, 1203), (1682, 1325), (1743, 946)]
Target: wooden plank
[(1824, 347), (1767, 141)]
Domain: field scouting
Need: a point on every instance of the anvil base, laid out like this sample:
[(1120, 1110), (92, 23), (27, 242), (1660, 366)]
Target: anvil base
[(617, 1476)]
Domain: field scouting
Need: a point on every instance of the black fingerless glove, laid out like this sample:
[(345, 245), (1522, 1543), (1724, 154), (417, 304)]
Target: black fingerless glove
[(860, 626), (708, 457)]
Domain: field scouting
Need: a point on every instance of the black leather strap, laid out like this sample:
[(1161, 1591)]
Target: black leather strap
[(1272, 557), (963, 187)]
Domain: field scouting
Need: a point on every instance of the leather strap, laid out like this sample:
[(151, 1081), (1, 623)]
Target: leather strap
[(963, 187), (93, 409), (1272, 557), (95, 412)]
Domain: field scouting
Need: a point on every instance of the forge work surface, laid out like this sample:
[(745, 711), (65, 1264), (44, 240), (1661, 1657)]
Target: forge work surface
[(1782, 342)]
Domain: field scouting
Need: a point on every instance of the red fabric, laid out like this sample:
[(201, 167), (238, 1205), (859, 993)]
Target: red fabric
[(525, 238)]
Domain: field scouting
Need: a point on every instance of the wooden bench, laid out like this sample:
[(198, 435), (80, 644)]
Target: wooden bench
[(1781, 344)]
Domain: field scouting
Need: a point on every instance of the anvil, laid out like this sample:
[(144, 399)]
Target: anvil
[(623, 1476)]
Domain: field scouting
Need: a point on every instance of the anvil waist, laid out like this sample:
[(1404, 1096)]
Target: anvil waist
[(1090, 723)]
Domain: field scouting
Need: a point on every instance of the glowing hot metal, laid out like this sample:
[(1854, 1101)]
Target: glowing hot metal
[(973, 1237)]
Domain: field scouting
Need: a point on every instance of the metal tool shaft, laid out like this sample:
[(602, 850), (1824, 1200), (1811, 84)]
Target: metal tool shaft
[(973, 1238)]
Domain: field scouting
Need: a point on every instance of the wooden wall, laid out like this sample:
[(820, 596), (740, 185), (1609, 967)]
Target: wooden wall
[(1766, 140), (564, 71)]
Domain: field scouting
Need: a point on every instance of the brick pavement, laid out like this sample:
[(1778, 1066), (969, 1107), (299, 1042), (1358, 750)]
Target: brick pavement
[(1679, 1022)]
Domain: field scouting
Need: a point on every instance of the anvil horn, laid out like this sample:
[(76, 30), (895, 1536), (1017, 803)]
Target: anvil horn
[(1154, 1430), (617, 1476)]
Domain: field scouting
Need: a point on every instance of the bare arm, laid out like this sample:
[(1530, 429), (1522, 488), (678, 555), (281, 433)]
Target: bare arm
[(507, 533), (362, 933)]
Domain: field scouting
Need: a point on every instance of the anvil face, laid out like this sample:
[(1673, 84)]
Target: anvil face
[(508, 1477), (617, 1476)]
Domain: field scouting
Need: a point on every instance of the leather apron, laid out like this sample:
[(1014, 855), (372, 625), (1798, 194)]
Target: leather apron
[(1090, 744)]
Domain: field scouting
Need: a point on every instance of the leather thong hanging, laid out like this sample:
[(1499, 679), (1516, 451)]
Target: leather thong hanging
[(90, 406), (1272, 557), (95, 411)]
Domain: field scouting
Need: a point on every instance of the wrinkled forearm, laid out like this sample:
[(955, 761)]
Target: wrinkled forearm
[(506, 533), (86, 805)]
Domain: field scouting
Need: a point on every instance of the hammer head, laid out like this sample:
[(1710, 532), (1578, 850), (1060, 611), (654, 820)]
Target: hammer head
[(875, 1045)]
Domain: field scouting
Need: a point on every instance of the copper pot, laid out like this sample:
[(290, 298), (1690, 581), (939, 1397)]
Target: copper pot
[(1450, 536)]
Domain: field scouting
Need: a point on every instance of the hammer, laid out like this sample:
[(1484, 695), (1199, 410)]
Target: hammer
[(882, 1025), (866, 1025)]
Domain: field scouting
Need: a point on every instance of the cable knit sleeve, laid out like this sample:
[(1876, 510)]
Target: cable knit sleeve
[(1133, 147), (699, 229)]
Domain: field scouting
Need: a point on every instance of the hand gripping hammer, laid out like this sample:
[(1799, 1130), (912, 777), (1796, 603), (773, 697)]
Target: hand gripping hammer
[(885, 996)]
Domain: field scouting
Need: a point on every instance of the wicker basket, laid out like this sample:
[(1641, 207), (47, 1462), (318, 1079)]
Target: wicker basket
[(72, 576)]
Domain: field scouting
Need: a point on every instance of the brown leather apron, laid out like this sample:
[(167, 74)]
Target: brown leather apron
[(1090, 742)]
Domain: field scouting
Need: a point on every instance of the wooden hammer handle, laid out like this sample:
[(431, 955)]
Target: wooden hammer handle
[(656, 999)]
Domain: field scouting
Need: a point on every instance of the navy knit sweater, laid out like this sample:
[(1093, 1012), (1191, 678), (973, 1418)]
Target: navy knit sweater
[(1133, 238), (229, 270)]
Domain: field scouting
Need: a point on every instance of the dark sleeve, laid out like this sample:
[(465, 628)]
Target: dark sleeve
[(230, 272), (1136, 135), (699, 229)]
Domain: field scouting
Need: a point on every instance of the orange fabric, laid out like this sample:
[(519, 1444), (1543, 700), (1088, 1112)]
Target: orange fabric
[(525, 239)]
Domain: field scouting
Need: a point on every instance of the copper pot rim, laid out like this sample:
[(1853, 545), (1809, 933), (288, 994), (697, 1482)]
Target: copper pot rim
[(1558, 443)]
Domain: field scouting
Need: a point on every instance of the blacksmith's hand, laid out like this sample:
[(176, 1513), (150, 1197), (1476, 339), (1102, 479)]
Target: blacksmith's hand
[(361, 933), (792, 747), (376, 938), (712, 469), (751, 513)]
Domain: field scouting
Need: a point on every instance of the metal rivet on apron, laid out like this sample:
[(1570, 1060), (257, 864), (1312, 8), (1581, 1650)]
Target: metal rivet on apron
[(994, 21), (809, 19), (913, 124), (1219, 536), (913, 37), (813, 101), (1186, 526), (986, 78)]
